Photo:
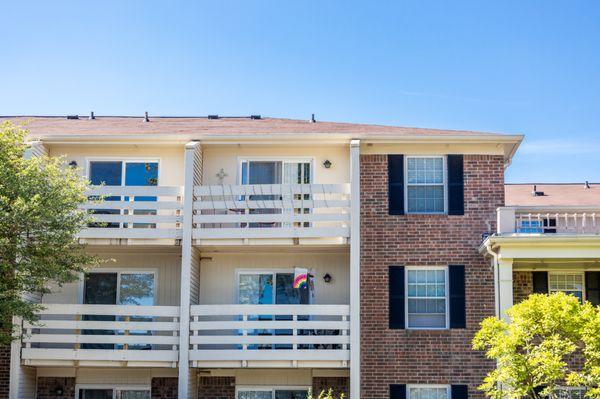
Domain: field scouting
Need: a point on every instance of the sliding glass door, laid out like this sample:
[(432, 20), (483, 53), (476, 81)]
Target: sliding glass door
[(124, 173), (122, 288), (262, 172), (113, 393)]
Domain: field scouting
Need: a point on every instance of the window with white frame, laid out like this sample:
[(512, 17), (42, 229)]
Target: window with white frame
[(428, 392), (425, 184), (427, 301), (272, 393), (100, 392), (570, 392), (569, 283)]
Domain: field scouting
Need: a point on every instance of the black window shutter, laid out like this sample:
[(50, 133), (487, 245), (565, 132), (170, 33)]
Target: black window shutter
[(396, 292), (592, 287), (459, 392), (396, 184), (456, 185), (458, 316), (540, 282), (397, 391)]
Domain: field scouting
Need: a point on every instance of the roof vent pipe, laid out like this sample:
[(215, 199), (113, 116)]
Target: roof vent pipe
[(92, 116), (312, 118), (146, 119), (587, 184)]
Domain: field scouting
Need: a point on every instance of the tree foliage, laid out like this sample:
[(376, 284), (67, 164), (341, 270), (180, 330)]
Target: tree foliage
[(38, 223), (535, 351), (326, 395)]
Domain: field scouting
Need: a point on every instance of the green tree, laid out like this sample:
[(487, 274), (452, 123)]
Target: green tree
[(39, 219), (325, 395), (534, 351)]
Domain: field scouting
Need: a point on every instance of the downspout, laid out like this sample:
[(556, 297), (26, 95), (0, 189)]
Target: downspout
[(489, 251)]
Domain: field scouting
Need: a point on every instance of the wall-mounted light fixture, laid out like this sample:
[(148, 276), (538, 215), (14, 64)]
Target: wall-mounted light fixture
[(59, 391), (327, 278), (327, 164), (73, 164)]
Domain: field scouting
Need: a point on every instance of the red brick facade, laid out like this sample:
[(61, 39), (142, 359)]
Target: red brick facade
[(522, 286), (338, 385), (4, 371), (48, 388), (420, 356), (164, 388), (216, 388)]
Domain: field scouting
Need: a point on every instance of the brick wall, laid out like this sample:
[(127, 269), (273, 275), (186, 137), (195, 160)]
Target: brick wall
[(339, 385), (164, 388), (47, 386), (216, 388), (522, 286), (420, 356), (4, 371)]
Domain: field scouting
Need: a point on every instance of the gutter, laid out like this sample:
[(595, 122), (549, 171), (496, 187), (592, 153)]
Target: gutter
[(496, 266)]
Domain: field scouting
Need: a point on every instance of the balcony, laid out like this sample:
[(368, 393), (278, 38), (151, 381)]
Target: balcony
[(134, 213), (270, 336), (103, 336), (548, 221), (272, 214)]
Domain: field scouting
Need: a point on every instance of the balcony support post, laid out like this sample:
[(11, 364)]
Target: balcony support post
[(355, 269), (505, 286), (186, 269)]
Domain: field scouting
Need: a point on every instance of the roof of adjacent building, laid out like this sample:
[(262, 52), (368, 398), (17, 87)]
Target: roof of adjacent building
[(49, 126), (553, 194)]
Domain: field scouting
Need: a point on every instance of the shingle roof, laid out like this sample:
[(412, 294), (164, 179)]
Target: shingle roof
[(108, 125), (572, 194)]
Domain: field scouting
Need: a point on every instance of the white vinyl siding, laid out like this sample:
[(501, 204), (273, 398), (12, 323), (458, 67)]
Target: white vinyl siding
[(427, 297), (425, 184)]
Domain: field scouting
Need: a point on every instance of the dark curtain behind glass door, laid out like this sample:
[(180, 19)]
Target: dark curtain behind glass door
[(99, 289)]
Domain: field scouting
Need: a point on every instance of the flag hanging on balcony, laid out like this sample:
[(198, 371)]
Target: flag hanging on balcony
[(300, 277)]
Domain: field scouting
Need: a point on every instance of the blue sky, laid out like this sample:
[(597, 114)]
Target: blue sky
[(530, 67)]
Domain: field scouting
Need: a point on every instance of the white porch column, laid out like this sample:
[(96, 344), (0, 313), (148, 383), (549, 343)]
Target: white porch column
[(355, 269), (505, 286), (186, 266)]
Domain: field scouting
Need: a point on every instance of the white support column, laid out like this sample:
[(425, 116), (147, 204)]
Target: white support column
[(186, 265), (505, 286), (355, 269)]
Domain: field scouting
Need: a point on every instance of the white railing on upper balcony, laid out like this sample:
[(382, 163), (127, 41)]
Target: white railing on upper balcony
[(255, 334), (103, 333), (134, 212), (272, 211), (549, 220)]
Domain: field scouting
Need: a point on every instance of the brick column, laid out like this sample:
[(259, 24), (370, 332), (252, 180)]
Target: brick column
[(216, 388), (48, 387), (164, 388), (338, 384), (4, 371)]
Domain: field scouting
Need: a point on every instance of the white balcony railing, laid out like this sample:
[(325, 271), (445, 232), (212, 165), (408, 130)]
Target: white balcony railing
[(270, 335), (103, 335), (134, 212), (272, 211), (516, 220)]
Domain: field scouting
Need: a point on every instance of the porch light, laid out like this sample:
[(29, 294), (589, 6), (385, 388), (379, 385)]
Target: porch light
[(327, 164), (327, 278)]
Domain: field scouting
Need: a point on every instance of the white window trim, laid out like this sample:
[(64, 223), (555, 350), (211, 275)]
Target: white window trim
[(240, 271), (119, 271), (445, 184), (445, 268), (125, 160), (448, 390), (270, 388), (563, 272), (114, 388), (310, 160)]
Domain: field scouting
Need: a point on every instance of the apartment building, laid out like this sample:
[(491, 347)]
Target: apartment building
[(256, 258)]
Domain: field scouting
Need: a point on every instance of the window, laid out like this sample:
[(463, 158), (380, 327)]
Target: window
[(427, 304), (569, 283), (272, 393), (425, 184), (113, 393), (531, 226), (570, 393), (428, 392)]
